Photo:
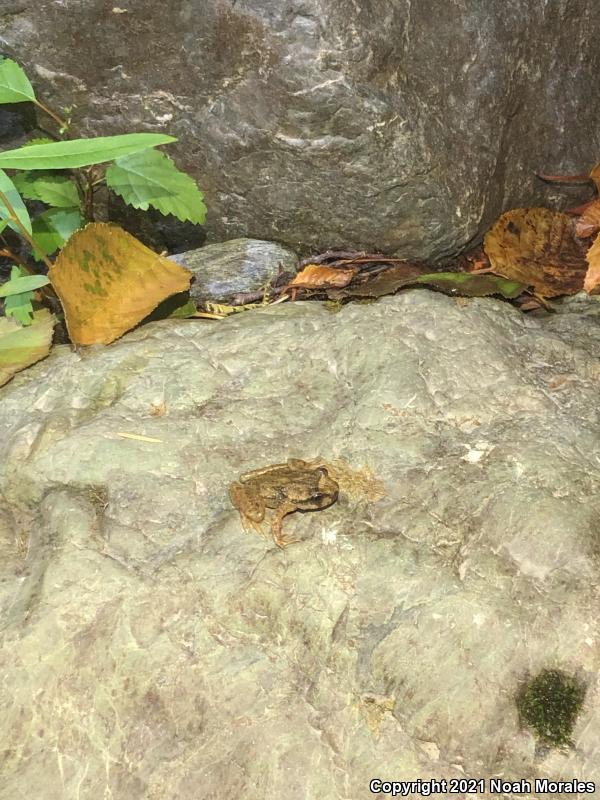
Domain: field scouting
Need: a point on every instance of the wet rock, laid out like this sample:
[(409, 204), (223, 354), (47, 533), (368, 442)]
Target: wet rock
[(405, 127), (240, 265)]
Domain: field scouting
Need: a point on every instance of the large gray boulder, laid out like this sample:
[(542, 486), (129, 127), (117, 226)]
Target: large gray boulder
[(151, 649), (403, 126)]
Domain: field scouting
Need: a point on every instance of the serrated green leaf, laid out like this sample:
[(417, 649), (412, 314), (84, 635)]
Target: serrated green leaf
[(18, 305), (14, 83), (152, 179), (51, 188), (80, 152), (24, 283), (8, 188), (52, 229)]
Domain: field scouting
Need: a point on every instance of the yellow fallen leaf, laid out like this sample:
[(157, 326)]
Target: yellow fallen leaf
[(108, 281)]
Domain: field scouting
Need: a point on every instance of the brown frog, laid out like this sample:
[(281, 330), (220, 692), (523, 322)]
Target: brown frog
[(295, 486)]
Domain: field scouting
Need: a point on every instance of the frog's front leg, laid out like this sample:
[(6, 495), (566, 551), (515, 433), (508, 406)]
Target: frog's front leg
[(249, 505), (280, 539)]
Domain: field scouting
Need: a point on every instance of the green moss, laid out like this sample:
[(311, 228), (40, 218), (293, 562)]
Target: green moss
[(333, 305), (550, 703)]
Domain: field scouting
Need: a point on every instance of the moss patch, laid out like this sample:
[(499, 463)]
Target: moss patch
[(550, 703)]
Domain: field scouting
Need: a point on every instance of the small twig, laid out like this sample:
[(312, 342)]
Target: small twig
[(6, 252), (340, 258), (330, 255), (577, 179)]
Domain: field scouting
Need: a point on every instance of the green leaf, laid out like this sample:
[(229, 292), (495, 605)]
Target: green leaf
[(152, 179), (25, 283), (468, 285), (8, 188), (14, 84), (19, 294), (20, 347), (55, 190), (52, 229), (80, 152), (187, 309), (19, 306)]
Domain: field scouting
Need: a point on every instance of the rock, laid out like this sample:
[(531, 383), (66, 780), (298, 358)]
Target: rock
[(240, 265), (16, 121), (160, 232), (404, 127), (151, 648)]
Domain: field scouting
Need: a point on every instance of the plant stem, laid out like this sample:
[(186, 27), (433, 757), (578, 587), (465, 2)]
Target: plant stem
[(81, 189), (6, 252), (89, 194), (61, 122), (23, 230)]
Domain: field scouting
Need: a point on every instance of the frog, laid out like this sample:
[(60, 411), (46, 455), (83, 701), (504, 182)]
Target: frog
[(297, 485)]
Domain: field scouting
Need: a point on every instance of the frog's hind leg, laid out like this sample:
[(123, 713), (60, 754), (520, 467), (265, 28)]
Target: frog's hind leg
[(250, 509), (280, 539), (252, 525)]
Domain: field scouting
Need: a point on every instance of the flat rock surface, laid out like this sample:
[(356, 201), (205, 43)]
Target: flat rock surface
[(151, 648), (400, 126)]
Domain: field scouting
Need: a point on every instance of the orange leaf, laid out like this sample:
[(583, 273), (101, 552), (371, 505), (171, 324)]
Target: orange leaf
[(537, 247), (595, 176), (108, 281), (315, 276), (588, 223), (592, 279)]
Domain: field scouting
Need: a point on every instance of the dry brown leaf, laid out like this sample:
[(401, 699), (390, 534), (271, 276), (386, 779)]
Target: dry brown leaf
[(537, 247), (386, 282), (588, 223), (108, 281), (315, 276), (592, 278)]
